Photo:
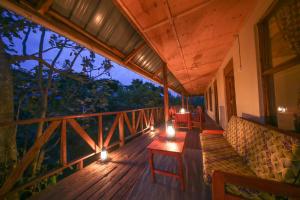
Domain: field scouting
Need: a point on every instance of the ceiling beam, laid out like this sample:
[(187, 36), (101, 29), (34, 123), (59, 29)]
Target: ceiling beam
[(199, 78), (168, 10), (180, 15), (133, 53), (157, 72), (134, 22), (44, 6)]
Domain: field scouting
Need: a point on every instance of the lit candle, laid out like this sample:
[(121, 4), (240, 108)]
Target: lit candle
[(152, 128), (282, 109), (103, 154), (182, 110), (170, 132)]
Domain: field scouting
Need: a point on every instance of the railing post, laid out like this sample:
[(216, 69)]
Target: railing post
[(80, 165), (142, 119), (121, 130), (133, 121), (63, 143), (100, 131)]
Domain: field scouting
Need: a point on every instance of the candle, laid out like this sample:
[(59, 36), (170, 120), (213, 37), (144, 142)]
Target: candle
[(103, 155), (170, 132), (182, 110), (152, 128)]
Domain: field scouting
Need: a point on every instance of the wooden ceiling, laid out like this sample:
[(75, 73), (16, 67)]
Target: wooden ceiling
[(192, 36)]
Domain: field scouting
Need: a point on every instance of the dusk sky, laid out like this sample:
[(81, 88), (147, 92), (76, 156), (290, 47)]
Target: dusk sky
[(124, 75)]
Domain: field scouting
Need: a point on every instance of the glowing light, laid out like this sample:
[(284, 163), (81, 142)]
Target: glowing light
[(103, 155), (151, 128), (98, 19), (182, 110), (170, 132), (281, 109)]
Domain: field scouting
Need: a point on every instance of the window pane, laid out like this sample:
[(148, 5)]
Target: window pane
[(280, 48), (287, 97)]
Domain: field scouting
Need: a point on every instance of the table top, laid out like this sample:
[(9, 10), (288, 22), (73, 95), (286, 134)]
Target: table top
[(162, 143), (185, 113)]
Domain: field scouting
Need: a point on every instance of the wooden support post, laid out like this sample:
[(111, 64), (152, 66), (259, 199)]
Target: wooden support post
[(166, 94), (182, 100), (187, 103), (121, 130), (100, 131), (63, 143)]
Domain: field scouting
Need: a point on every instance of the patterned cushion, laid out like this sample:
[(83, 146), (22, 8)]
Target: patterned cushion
[(219, 155), (247, 148), (270, 154), (284, 157)]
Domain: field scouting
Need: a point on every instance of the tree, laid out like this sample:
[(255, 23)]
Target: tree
[(14, 29), (10, 27)]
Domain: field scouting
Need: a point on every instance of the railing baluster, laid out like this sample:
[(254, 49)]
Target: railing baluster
[(28, 158), (121, 130), (111, 131), (100, 131), (63, 143), (142, 119), (133, 121)]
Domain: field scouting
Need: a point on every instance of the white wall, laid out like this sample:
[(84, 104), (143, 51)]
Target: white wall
[(247, 79)]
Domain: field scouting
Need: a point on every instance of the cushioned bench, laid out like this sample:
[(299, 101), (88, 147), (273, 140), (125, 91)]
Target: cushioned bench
[(251, 150)]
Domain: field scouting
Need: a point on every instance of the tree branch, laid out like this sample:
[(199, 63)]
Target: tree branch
[(17, 58)]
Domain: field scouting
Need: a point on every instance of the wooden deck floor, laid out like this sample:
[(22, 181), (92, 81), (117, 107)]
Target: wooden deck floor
[(127, 175)]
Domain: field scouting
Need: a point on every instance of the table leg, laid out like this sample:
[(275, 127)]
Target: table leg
[(151, 162), (181, 171)]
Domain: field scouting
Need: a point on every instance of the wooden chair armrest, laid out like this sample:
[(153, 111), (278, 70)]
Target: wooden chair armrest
[(220, 178), (218, 132)]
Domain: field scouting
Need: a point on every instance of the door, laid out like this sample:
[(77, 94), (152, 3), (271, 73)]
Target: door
[(230, 90), (216, 102)]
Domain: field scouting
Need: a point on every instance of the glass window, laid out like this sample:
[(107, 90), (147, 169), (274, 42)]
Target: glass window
[(279, 38)]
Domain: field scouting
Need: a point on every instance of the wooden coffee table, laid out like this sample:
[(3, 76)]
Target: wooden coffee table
[(173, 148)]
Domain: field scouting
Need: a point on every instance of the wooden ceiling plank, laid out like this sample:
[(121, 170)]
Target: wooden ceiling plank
[(175, 17), (193, 9), (134, 22), (167, 8)]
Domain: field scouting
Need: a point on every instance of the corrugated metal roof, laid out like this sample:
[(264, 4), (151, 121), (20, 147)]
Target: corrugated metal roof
[(102, 19), (100, 26)]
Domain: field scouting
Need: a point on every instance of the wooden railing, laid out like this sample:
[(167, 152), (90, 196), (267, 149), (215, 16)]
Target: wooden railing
[(277, 188), (141, 120)]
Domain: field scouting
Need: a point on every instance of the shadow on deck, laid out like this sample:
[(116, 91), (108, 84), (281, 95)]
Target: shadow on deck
[(127, 176)]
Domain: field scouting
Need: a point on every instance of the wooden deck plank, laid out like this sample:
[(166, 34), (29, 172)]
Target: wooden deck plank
[(127, 175)]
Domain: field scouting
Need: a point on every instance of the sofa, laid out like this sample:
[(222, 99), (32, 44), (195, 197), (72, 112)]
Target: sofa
[(251, 151)]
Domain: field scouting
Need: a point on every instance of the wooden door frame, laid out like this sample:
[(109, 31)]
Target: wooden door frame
[(217, 119), (227, 70)]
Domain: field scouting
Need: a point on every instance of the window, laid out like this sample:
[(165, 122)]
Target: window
[(210, 99), (279, 41)]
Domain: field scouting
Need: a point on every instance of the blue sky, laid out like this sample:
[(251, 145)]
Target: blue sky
[(124, 75)]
